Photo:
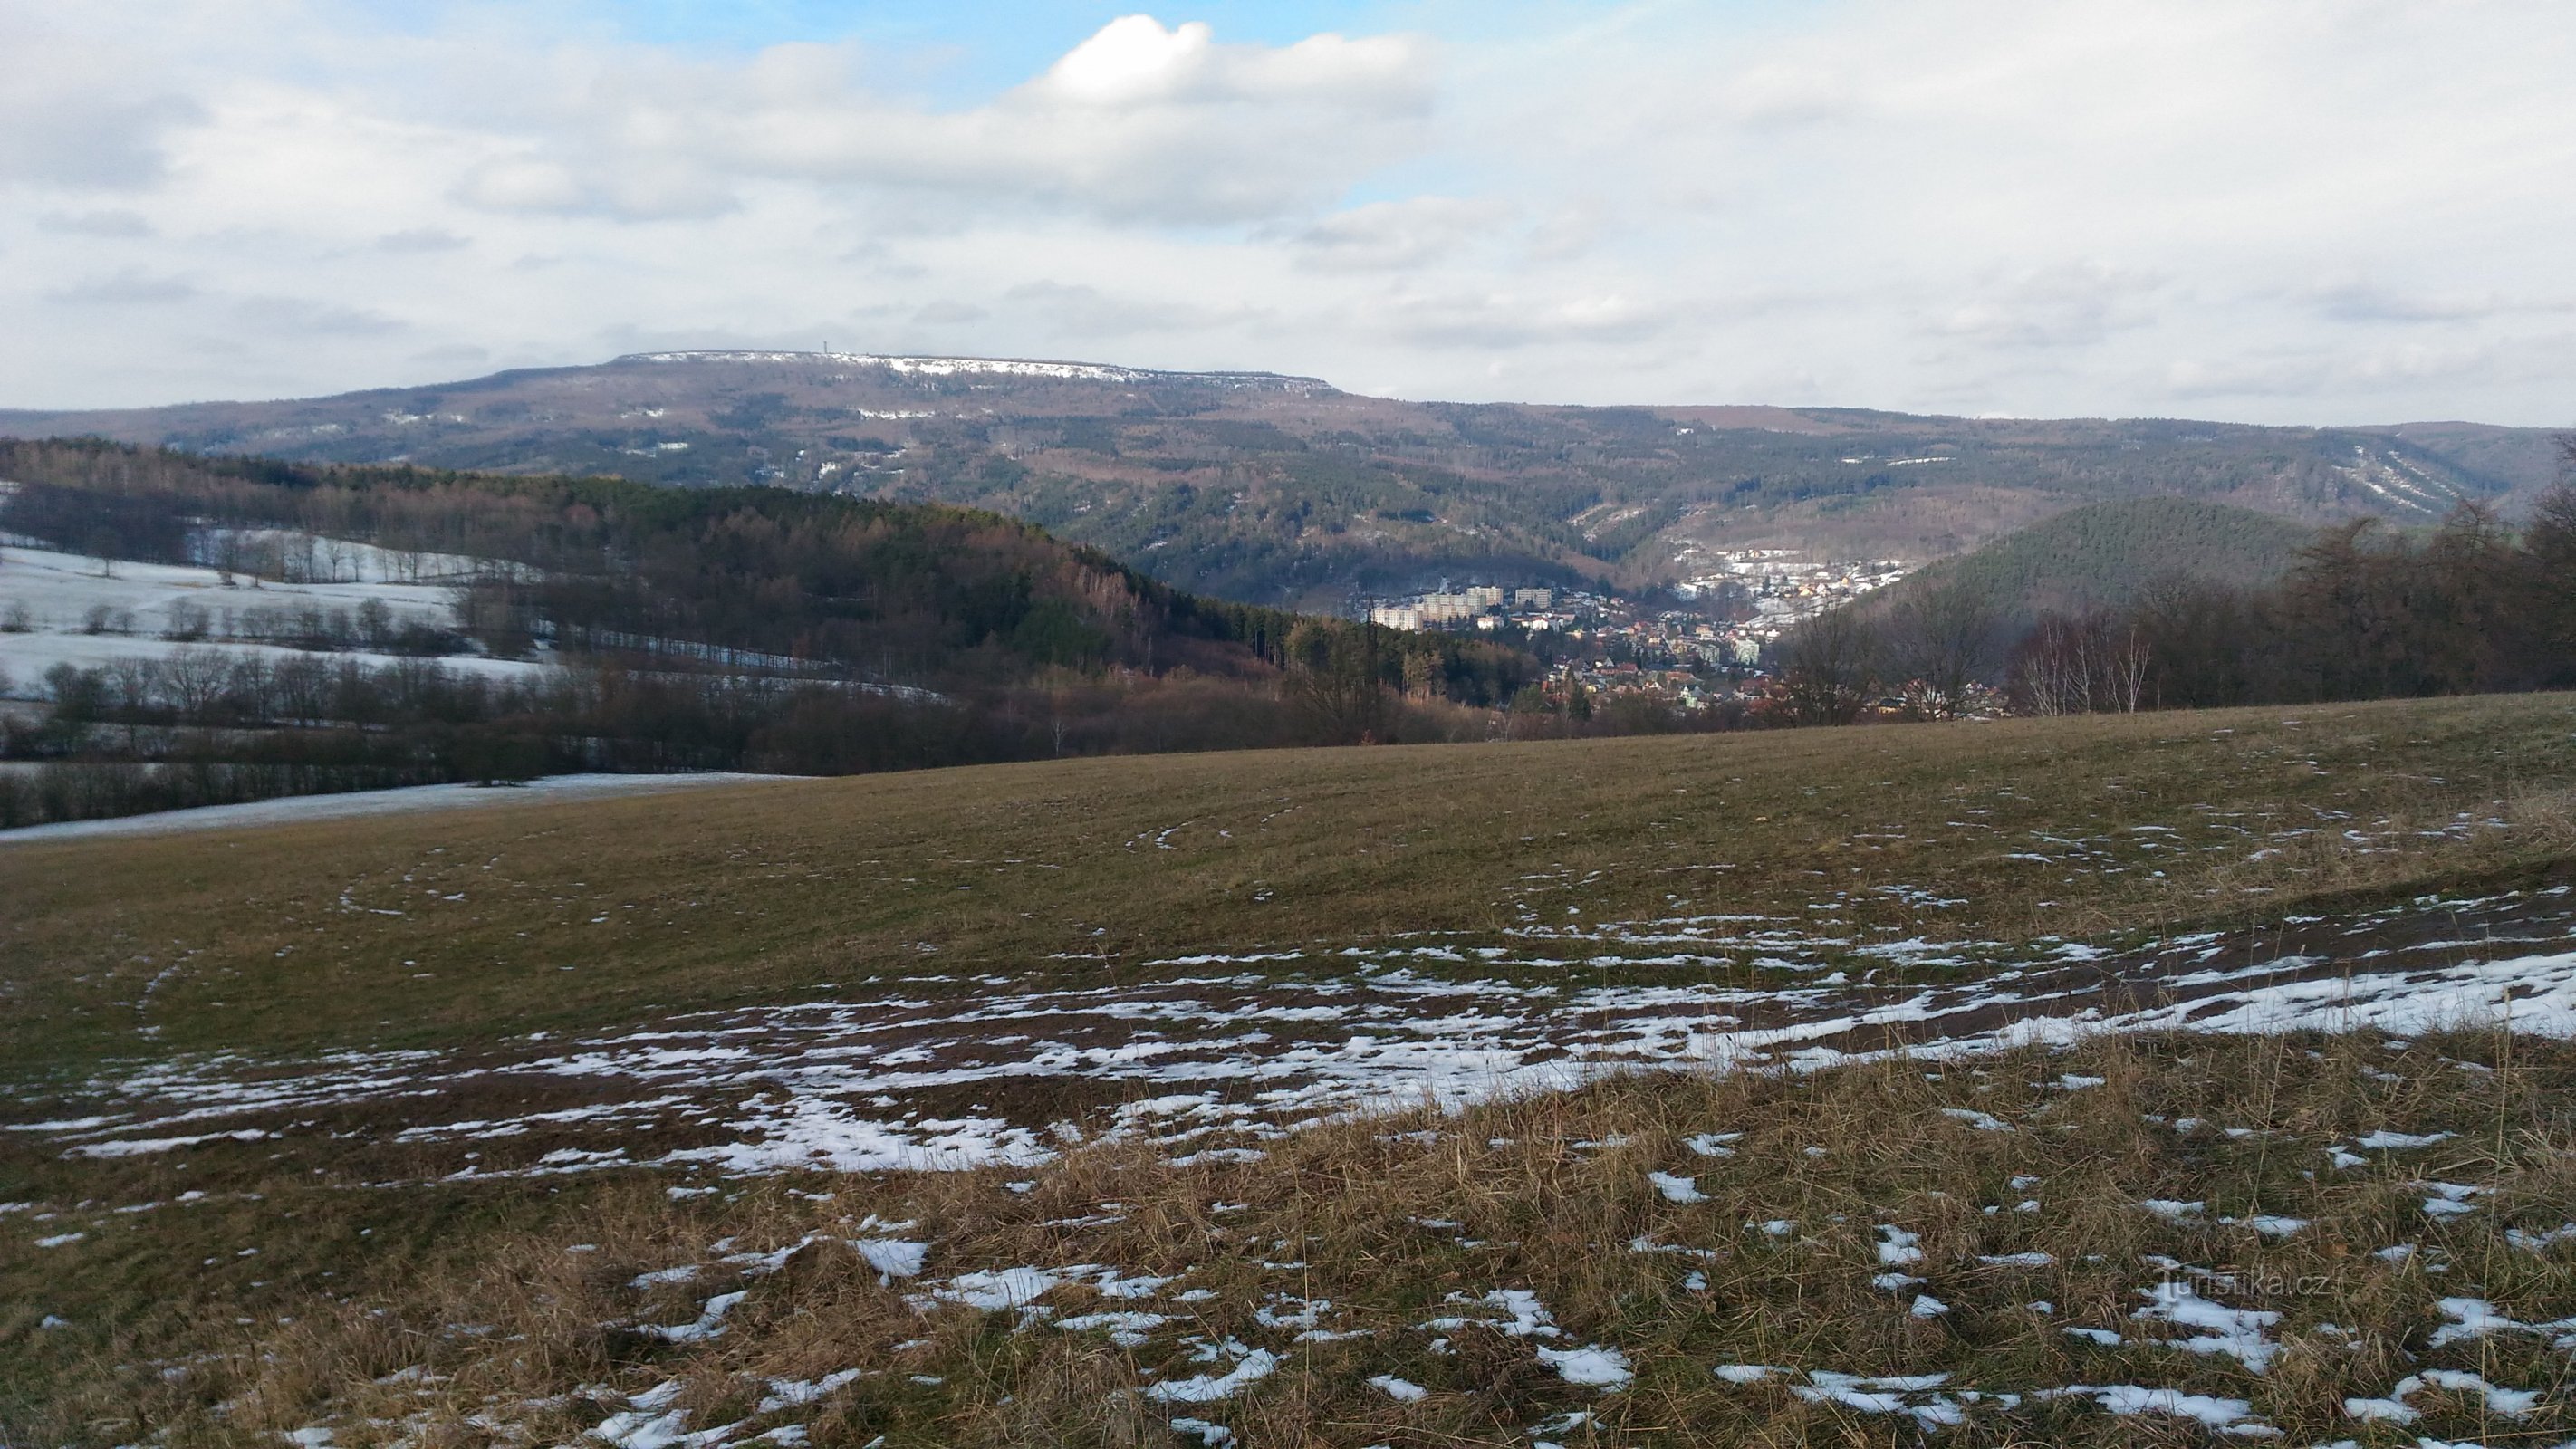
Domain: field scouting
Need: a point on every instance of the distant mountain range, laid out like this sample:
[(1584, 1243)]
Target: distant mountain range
[(1287, 490)]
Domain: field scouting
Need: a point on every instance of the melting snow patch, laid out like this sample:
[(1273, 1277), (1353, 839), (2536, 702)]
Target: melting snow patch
[(2542, 1241), (2471, 1318), (2227, 1416), (1127, 1329), (1676, 1189), (2449, 1200), (1898, 1248), (2237, 1332), (993, 1292), (1401, 1390), (797, 1393), (138, 1147), (1529, 1318), (2383, 1140), (2510, 1403), (891, 1257), (1605, 1368), (1255, 1365), (710, 1321), (1886, 1395)]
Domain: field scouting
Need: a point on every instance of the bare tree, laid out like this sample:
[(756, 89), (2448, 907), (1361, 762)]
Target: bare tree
[(1941, 639), (192, 680), (1827, 669), (132, 684), (254, 684), (2096, 662)]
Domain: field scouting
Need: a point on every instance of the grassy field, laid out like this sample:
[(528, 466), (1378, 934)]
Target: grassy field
[(440, 928), (342, 1264)]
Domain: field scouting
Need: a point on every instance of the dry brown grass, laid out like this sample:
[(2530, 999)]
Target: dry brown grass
[(507, 1324), (739, 896), (270, 939)]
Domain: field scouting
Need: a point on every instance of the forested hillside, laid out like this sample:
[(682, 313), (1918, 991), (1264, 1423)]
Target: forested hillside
[(1288, 491), (2107, 554), (601, 623), (2104, 612)]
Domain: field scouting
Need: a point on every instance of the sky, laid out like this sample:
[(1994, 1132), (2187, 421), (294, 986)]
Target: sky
[(2295, 211)]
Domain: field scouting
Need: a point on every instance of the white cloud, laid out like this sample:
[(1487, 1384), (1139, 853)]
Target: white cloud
[(1138, 123), (2299, 210), (1394, 234), (72, 115)]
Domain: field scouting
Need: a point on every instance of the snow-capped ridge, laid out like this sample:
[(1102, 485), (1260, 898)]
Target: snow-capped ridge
[(994, 367)]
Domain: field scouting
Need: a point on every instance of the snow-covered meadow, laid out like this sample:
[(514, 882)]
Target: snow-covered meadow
[(62, 608)]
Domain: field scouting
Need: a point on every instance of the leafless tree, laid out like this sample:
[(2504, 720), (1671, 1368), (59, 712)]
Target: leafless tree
[(254, 684), (192, 680), (1941, 638), (131, 685), (1827, 669), (2080, 665)]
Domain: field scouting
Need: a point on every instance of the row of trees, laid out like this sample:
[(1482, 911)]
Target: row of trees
[(316, 723)]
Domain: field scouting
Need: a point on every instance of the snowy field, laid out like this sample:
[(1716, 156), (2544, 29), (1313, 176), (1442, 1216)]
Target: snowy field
[(1218, 1055), (48, 600), (296, 809)]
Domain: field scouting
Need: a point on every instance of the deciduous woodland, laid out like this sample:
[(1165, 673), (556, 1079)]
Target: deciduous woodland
[(748, 628)]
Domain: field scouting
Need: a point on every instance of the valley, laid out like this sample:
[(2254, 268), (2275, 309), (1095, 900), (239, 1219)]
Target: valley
[(1288, 491)]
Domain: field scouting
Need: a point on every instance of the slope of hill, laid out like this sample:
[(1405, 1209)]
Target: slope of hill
[(271, 623), (1280, 489), (2103, 554), (2044, 1081)]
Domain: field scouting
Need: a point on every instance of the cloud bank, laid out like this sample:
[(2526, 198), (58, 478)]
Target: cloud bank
[(2309, 210)]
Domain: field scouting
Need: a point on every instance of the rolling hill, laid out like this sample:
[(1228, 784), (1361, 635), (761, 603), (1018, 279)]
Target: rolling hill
[(209, 630), (1286, 490), (2103, 554)]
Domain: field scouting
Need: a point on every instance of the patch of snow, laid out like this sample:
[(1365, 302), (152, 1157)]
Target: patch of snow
[(1254, 1366), (1592, 1365), (1677, 1189)]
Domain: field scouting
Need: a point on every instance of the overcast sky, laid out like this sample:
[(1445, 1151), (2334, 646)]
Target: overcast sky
[(2267, 210)]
